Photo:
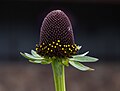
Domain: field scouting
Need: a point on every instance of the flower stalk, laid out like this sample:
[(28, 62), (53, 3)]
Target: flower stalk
[(59, 75)]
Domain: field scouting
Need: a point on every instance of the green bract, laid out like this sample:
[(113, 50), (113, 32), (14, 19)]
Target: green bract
[(74, 61)]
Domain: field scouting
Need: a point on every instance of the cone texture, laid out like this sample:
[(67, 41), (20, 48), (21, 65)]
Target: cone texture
[(56, 36)]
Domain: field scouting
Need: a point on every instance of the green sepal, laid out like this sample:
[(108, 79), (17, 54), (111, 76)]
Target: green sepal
[(79, 47), (84, 59), (36, 61), (65, 62), (81, 55), (47, 60), (32, 58), (35, 54), (80, 66)]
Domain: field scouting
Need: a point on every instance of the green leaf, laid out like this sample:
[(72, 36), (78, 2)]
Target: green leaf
[(80, 66), (47, 60), (84, 59), (35, 54)]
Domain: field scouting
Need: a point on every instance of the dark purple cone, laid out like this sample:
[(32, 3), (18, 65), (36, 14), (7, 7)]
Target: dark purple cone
[(56, 36)]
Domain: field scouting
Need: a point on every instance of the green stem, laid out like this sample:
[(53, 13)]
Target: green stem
[(59, 75)]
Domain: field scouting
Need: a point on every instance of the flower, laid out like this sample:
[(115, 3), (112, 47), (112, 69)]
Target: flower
[(57, 47), (56, 36), (57, 43)]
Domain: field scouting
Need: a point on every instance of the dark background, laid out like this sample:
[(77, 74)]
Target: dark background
[(96, 26)]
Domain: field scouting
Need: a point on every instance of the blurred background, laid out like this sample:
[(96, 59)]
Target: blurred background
[(96, 26)]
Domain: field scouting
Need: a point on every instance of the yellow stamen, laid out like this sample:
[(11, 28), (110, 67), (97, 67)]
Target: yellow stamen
[(48, 48), (62, 48), (76, 49), (64, 51), (40, 46), (69, 48), (49, 44), (51, 50), (53, 42), (68, 45), (64, 45), (59, 45), (56, 43), (43, 43), (75, 44), (58, 40), (45, 47), (36, 49), (37, 45), (72, 46), (54, 46)]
